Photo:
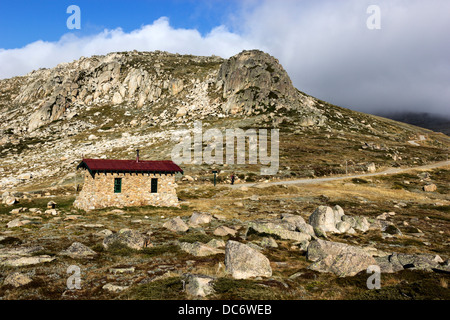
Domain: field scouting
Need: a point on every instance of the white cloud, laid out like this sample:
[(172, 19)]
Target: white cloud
[(324, 45), (157, 36), (330, 53)]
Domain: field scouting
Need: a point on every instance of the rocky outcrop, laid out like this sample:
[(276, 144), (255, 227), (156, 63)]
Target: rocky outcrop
[(253, 78), (49, 111)]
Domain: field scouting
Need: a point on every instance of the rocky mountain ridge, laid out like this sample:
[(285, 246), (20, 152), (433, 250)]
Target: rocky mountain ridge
[(106, 106)]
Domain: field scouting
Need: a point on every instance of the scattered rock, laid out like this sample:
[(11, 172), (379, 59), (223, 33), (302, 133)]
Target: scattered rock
[(114, 288), (27, 261), (199, 285), (9, 201), (17, 223), (339, 258), (104, 233), (25, 176), (121, 270), (53, 212), (390, 229), (181, 112), (430, 187), (16, 211), (79, 250), (424, 176), (324, 218), (361, 224), (269, 242), (344, 226), (216, 243), (244, 262), (176, 225), (277, 230), (223, 231), (199, 249), (17, 279), (302, 245), (400, 261), (219, 217), (371, 168), (299, 223), (200, 218), (129, 238)]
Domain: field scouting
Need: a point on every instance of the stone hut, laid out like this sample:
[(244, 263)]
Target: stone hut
[(126, 183)]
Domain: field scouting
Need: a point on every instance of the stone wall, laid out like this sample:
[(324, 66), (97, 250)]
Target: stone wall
[(98, 192)]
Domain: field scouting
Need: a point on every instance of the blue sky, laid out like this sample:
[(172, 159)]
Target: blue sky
[(29, 21), (324, 45)]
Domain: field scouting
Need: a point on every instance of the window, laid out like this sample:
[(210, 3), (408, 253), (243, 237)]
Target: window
[(154, 185), (117, 185)]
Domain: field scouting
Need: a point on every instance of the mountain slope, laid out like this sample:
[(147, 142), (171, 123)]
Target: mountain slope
[(107, 106)]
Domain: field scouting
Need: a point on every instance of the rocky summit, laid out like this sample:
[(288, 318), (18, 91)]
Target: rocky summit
[(353, 192)]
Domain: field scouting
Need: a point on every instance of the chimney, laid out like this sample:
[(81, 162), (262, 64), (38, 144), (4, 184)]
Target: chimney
[(137, 155)]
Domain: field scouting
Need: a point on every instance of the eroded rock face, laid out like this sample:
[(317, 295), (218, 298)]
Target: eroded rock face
[(244, 262), (49, 111), (253, 78)]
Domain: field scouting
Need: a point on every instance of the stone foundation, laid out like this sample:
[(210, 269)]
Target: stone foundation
[(98, 192)]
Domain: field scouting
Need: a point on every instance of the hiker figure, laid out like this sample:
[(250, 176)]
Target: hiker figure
[(232, 179)]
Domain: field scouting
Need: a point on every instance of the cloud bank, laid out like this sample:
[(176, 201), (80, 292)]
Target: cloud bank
[(157, 36), (325, 46)]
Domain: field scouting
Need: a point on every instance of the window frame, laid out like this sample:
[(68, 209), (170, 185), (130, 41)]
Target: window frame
[(117, 186), (152, 185)]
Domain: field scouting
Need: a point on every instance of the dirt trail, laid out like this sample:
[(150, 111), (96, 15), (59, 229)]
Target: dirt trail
[(334, 178)]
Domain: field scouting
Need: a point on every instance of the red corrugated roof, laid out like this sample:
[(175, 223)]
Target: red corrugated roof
[(164, 166)]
